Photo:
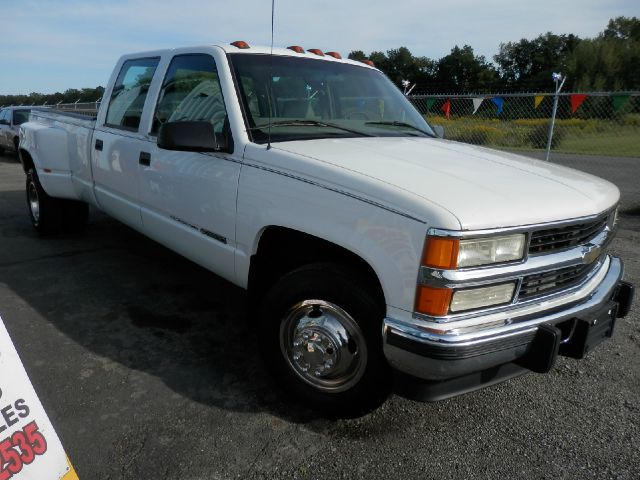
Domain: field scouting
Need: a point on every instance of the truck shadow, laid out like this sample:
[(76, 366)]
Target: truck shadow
[(131, 301)]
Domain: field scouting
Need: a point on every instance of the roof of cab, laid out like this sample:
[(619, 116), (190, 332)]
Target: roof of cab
[(259, 49), (266, 50)]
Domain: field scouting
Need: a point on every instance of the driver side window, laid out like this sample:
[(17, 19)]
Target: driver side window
[(191, 91)]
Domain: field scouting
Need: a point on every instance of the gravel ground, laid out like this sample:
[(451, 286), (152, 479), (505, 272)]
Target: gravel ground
[(148, 369)]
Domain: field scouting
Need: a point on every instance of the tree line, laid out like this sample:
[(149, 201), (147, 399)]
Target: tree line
[(608, 62), (70, 95)]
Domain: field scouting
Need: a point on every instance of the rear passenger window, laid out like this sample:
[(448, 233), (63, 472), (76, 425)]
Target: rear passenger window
[(191, 91), (130, 92)]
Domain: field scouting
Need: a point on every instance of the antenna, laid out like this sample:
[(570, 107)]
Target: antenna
[(273, 8)]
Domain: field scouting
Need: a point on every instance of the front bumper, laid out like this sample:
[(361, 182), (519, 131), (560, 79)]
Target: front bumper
[(419, 351)]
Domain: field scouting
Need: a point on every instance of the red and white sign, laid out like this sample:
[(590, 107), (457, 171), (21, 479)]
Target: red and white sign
[(29, 446)]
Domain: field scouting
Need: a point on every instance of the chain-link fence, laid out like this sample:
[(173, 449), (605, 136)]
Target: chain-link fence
[(82, 108), (603, 123), (599, 123)]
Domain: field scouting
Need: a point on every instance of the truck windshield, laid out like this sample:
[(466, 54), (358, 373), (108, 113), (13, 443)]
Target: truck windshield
[(311, 99)]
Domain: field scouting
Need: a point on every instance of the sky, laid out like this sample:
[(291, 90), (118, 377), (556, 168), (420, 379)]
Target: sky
[(53, 45)]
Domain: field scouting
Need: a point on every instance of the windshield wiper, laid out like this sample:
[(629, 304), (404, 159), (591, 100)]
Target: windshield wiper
[(395, 123), (308, 123)]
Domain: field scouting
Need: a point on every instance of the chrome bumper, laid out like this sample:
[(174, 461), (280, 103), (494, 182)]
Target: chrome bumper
[(425, 350)]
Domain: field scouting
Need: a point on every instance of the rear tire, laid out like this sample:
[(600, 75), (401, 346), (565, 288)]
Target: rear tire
[(321, 336), (50, 215), (43, 209)]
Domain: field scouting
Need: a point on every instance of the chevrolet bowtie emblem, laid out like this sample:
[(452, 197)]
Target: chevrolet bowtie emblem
[(590, 253)]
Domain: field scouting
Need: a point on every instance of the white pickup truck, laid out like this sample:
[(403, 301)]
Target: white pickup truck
[(374, 249)]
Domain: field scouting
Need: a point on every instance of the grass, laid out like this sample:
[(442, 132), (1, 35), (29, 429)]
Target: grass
[(623, 143), (574, 135)]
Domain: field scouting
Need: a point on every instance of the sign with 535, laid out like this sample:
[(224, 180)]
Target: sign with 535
[(29, 446)]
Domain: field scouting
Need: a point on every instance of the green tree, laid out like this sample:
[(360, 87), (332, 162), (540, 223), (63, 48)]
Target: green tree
[(528, 64), (464, 71), (358, 55), (399, 64), (610, 61), (623, 28)]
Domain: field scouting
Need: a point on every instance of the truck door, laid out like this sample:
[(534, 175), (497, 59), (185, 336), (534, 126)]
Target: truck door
[(188, 199), (118, 141)]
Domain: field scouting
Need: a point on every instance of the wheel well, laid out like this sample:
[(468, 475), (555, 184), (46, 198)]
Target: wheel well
[(282, 250), (26, 160)]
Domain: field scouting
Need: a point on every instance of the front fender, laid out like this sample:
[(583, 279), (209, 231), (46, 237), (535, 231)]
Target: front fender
[(389, 243)]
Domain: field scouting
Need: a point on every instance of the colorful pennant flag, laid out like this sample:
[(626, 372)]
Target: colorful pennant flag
[(430, 102), (619, 101), (576, 101), (446, 108), (537, 100), (476, 103), (499, 102)]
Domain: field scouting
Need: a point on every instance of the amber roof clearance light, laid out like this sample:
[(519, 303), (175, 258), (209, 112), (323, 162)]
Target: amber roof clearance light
[(369, 62), (296, 48), (240, 44), (316, 51), (334, 55)]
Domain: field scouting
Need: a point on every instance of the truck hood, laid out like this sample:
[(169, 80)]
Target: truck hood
[(482, 188)]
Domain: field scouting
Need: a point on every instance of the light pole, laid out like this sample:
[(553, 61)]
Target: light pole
[(559, 81)]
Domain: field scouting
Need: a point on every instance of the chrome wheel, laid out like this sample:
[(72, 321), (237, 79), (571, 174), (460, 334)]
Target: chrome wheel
[(34, 202), (323, 345)]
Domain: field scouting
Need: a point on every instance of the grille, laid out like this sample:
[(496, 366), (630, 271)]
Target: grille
[(554, 281), (560, 238)]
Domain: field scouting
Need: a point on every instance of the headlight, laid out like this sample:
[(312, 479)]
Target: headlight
[(482, 297), (450, 253), (440, 301), (484, 251)]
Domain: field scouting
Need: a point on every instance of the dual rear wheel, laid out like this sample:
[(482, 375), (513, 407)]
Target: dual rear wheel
[(51, 215)]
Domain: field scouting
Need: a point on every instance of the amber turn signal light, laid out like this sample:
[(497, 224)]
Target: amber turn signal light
[(441, 252), (433, 301)]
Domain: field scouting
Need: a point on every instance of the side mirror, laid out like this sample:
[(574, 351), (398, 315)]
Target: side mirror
[(4, 122), (191, 136), (438, 130)]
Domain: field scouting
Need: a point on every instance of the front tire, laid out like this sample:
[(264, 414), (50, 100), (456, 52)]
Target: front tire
[(321, 336)]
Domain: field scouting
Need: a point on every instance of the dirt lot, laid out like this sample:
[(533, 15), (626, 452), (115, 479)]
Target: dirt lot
[(148, 369)]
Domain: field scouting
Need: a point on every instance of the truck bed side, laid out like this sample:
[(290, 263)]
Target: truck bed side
[(58, 146)]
